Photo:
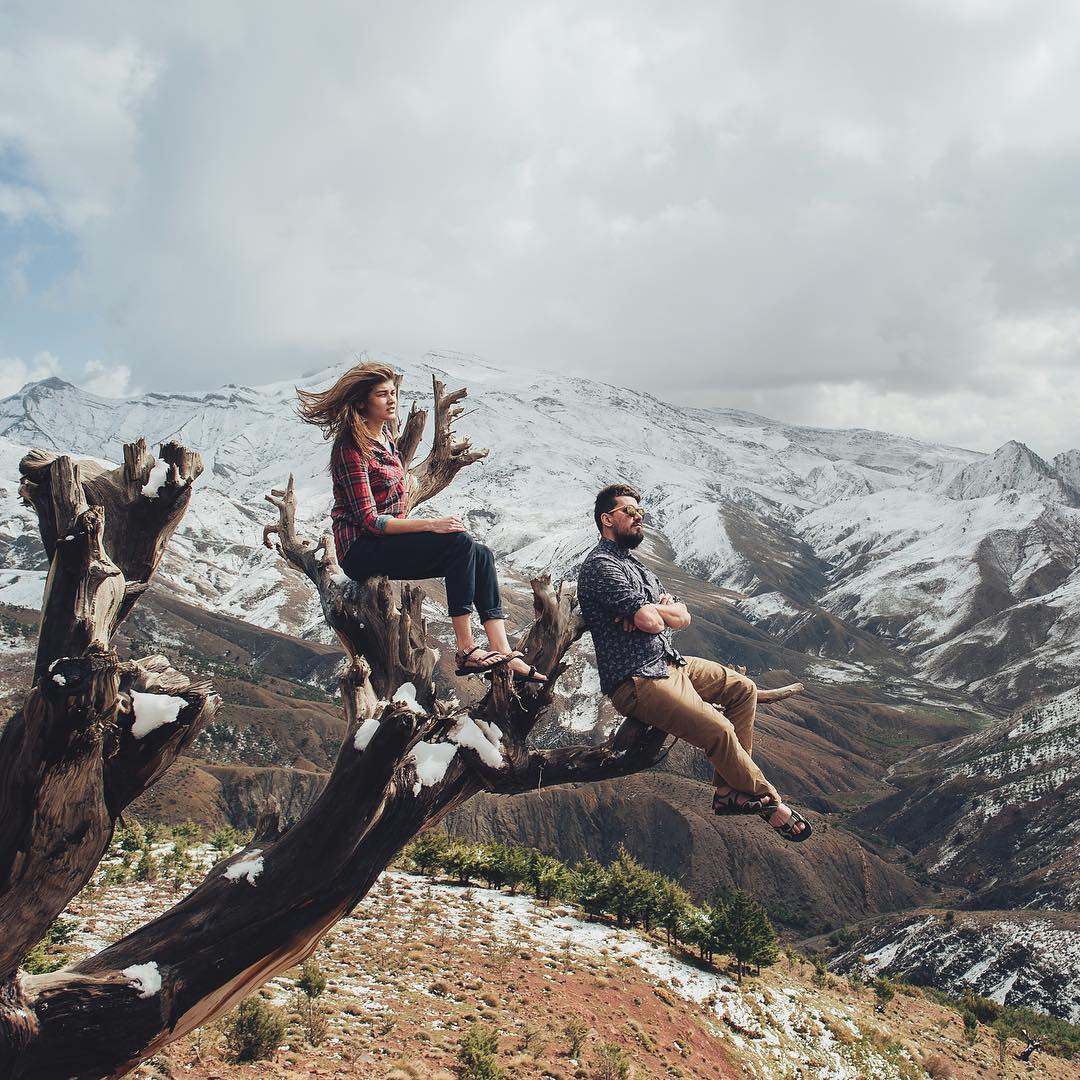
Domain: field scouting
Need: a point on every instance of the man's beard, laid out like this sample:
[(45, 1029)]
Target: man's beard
[(631, 540)]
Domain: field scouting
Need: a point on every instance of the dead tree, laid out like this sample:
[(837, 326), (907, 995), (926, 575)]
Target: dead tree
[(95, 732)]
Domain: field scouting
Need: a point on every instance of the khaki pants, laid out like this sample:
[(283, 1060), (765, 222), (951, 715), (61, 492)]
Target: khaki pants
[(682, 705)]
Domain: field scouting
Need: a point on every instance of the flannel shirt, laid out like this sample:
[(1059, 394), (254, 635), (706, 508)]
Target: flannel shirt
[(366, 493), (613, 584)]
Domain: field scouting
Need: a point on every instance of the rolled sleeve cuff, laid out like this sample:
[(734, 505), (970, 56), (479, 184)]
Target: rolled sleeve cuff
[(627, 609)]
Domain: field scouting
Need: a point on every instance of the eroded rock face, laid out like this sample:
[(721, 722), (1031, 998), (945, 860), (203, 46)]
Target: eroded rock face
[(1019, 958), (996, 811)]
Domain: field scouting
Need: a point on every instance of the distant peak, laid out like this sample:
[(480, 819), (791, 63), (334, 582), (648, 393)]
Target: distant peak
[(51, 383)]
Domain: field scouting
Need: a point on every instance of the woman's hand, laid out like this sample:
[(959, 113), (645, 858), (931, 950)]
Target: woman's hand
[(445, 525)]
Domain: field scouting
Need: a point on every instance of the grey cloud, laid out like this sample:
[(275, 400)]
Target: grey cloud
[(785, 205)]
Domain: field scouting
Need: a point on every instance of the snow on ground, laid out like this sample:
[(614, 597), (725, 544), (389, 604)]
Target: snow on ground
[(835, 671), (1017, 960), (22, 588), (771, 1026)]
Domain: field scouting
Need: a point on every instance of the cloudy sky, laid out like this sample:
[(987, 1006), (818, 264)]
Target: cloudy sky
[(850, 212)]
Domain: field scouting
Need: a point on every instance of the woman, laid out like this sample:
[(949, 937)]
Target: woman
[(374, 537)]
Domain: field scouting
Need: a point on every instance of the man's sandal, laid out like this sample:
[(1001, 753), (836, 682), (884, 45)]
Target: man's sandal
[(787, 830), (530, 676), (481, 665), (737, 802)]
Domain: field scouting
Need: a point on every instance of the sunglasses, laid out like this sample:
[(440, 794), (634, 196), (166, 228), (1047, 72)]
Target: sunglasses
[(630, 511)]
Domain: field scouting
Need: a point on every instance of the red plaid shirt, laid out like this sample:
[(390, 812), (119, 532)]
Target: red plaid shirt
[(366, 494)]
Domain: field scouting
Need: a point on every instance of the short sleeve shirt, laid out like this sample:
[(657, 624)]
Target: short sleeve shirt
[(612, 585)]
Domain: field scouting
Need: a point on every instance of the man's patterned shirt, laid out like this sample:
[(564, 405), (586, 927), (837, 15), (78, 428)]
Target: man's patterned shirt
[(612, 585)]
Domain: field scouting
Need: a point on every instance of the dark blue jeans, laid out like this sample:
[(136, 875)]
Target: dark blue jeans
[(468, 567)]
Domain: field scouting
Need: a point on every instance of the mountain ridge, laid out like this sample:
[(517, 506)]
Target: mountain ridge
[(893, 537)]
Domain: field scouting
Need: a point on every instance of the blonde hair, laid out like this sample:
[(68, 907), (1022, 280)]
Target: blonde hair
[(339, 411)]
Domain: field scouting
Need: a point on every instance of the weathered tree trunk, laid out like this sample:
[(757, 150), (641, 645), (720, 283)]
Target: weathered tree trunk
[(74, 758)]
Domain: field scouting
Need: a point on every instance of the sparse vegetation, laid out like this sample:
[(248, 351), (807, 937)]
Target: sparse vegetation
[(575, 1033), (48, 955), (254, 1031), (625, 890), (612, 1063), (477, 1054)]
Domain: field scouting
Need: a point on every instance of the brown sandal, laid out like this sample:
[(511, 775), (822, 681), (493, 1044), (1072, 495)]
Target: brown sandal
[(479, 666)]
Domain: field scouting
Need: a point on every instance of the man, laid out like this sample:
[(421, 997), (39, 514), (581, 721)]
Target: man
[(631, 618)]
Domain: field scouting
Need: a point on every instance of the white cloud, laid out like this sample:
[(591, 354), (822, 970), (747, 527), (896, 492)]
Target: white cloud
[(15, 373), (107, 381), (848, 211)]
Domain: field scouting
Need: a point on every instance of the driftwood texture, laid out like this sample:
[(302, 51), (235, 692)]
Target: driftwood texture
[(70, 762)]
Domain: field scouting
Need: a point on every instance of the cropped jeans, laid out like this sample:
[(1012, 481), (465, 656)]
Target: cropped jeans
[(467, 566)]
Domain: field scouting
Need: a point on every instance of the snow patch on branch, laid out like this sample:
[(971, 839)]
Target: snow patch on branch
[(406, 695), (484, 738), (156, 481), (365, 732), (249, 868), (152, 711), (144, 977), (431, 761)]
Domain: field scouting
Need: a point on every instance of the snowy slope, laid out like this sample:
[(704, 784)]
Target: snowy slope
[(997, 811), (920, 543), (1021, 959)]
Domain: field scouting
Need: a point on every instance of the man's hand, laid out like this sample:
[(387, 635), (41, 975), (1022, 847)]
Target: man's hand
[(666, 598), (627, 624)]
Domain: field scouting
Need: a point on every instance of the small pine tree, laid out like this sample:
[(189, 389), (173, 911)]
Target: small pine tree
[(549, 878), (589, 883), (575, 1032), (629, 888), (512, 865), (695, 930), (612, 1063), (884, 992), (462, 861), (313, 1017), (225, 839), (673, 906), (428, 851), (477, 1054), (312, 981), (254, 1031)]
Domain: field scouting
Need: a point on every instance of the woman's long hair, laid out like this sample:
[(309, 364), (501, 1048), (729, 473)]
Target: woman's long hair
[(338, 412)]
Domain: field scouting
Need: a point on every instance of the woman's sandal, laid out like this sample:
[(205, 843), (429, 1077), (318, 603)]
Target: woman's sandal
[(729, 803), (479, 666), (787, 830)]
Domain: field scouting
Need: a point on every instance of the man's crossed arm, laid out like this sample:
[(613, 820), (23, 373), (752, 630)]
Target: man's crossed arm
[(653, 618), (627, 604)]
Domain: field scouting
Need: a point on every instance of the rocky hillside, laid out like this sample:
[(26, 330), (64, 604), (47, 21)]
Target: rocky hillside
[(858, 546), (1019, 958), (417, 965), (666, 822), (998, 811)]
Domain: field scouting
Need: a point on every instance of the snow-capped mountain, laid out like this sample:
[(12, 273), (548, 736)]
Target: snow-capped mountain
[(942, 552)]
